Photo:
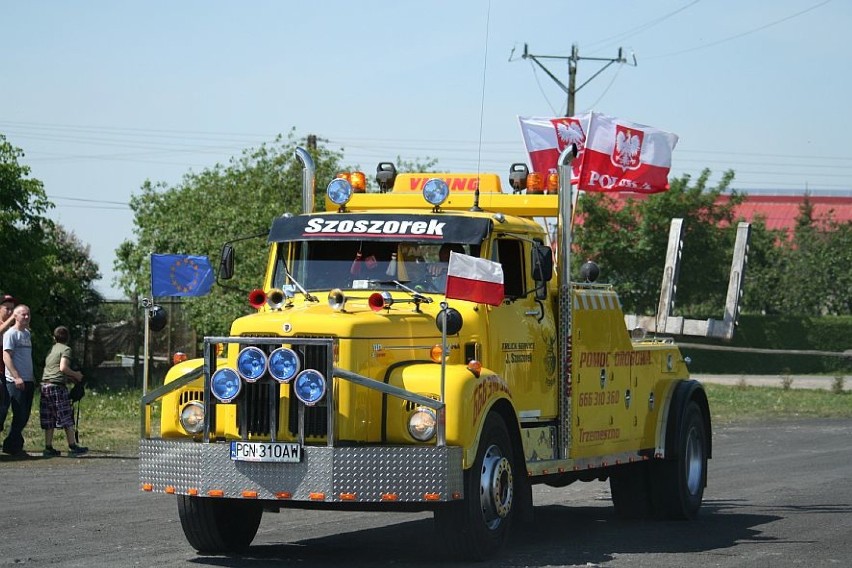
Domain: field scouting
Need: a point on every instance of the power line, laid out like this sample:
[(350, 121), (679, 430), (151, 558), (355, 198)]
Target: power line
[(742, 34)]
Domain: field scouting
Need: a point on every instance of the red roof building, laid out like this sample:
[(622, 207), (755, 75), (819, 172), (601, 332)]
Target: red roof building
[(780, 211)]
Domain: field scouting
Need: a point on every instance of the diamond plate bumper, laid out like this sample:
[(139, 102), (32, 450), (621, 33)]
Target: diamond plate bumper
[(362, 474)]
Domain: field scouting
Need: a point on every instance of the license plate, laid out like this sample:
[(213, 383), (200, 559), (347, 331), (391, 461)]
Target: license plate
[(266, 452)]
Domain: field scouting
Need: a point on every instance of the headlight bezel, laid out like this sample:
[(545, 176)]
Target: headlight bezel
[(193, 406), (422, 416)]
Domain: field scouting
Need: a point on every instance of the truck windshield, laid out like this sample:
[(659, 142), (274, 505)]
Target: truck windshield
[(365, 265)]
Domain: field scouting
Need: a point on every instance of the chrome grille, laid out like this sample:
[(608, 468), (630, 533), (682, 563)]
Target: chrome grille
[(258, 405)]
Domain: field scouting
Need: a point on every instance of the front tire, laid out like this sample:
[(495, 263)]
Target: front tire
[(478, 527), (678, 483), (219, 526)]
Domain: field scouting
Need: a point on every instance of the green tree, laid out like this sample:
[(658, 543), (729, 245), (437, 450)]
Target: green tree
[(215, 206), (45, 267), (628, 239), (812, 270)]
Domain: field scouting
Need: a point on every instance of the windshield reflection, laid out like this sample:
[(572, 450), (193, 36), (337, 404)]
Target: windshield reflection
[(367, 265)]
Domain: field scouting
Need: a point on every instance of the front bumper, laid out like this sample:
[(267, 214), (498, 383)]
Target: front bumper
[(365, 474)]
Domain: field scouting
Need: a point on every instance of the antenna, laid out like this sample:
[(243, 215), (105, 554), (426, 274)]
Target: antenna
[(573, 59), (475, 206)]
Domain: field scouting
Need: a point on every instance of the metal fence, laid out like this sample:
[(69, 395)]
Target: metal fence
[(112, 350)]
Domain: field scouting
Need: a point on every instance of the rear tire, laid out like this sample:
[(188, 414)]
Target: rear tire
[(478, 527), (219, 526), (678, 483), (631, 491)]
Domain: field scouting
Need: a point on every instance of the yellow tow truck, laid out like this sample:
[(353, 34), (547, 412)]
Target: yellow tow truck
[(358, 385)]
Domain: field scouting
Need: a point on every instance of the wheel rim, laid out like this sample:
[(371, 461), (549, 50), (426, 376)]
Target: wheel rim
[(694, 461), (495, 487)]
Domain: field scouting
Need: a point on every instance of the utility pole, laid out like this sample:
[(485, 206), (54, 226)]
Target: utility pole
[(573, 59)]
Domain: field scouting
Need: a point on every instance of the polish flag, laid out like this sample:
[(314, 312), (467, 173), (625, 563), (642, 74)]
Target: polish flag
[(474, 279), (546, 138), (625, 156)]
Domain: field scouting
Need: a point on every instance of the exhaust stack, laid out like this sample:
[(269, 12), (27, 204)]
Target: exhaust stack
[(309, 179)]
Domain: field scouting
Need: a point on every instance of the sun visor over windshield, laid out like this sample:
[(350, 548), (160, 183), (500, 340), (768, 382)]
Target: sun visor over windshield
[(414, 228)]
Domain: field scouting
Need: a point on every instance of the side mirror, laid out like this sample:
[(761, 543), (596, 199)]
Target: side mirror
[(542, 263), (226, 263)]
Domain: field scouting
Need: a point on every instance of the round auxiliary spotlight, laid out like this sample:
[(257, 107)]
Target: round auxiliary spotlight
[(251, 363), (339, 191), (309, 386), (225, 384), (283, 364), (436, 191)]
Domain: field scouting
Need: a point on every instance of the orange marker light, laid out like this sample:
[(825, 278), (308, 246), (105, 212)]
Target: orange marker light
[(347, 496), (192, 491), (179, 357), (147, 487), (358, 181), (474, 367), (552, 183), (283, 495), (317, 496), (436, 353), (432, 496), (170, 489), (390, 497), (250, 494), (215, 493), (535, 183)]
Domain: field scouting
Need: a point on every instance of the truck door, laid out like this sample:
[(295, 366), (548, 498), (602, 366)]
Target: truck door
[(522, 335)]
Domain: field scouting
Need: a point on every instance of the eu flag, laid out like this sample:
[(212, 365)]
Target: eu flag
[(180, 275)]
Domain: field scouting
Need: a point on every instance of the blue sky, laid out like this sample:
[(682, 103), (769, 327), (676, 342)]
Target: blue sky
[(102, 95)]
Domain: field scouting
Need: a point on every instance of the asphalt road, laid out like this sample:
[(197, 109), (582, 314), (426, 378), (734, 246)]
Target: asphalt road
[(780, 495)]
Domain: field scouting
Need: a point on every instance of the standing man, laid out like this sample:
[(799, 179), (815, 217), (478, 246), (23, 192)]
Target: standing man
[(20, 381), (7, 320)]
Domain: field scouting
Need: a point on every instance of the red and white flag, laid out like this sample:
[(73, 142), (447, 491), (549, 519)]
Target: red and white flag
[(546, 138), (625, 156), (474, 279)]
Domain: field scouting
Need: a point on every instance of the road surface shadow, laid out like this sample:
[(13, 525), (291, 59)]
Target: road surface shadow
[(560, 535)]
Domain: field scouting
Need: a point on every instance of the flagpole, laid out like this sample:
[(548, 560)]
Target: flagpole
[(146, 304)]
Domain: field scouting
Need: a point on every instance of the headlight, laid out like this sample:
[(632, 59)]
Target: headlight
[(436, 191), (339, 191), (192, 417), (251, 363), (283, 364), (309, 386), (225, 384), (422, 423)]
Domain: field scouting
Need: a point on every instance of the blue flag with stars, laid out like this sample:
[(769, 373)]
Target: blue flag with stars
[(180, 275)]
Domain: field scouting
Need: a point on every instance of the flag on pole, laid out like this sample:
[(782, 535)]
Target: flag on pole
[(546, 138), (625, 156), (180, 275), (474, 279)]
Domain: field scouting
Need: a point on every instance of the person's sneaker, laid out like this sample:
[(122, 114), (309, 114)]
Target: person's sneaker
[(50, 452), (76, 450)]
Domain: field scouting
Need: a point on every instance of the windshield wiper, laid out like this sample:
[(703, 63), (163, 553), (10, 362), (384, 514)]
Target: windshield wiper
[(301, 288), (416, 296)]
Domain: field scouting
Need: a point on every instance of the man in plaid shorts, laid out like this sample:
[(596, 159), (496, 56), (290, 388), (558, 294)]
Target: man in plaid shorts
[(55, 405)]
